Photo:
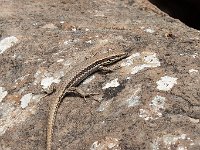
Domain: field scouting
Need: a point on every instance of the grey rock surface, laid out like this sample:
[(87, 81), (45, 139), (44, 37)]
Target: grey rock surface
[(151, 101)]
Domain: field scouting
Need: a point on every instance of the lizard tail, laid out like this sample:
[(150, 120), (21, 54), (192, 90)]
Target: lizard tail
[(51, 120)]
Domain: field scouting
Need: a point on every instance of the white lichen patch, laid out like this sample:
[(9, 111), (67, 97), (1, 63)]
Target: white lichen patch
[(180, 141), (7, 43), (104, 105), (3, 93), (39, 75), (154, 110), (46, 82), (136, 69), (88, 80), (166, 83), (157, 104), (150, 61), (172, 139), (105, 144), (88, 42), (74, 29), (133, 101), (194, 55), (25, 100), (113, 83), (144, 114), (12, 115), (129, 61), (60, 60), (46, 79), (193, 71), (69, 42), (191, 55), (149, 30), (155, 145), (132, 96), (139, 61), (194, 120)]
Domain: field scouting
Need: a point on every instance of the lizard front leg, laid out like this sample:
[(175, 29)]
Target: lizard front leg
[(80, 92)]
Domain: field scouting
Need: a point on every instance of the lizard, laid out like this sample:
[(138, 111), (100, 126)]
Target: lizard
[(74, 77)]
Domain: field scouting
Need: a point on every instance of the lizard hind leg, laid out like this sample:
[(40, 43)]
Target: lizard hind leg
[(81, 93), (104, 69)]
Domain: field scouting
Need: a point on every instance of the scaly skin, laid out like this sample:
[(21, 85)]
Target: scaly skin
[(73, 79)]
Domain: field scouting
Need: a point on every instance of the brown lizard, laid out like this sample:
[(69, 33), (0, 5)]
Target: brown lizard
[(74, 77)]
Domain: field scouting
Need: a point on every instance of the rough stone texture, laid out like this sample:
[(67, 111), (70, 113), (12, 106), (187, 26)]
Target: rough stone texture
[(151, 102)]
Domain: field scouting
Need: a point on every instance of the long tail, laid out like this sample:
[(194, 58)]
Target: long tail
[(51, 120)]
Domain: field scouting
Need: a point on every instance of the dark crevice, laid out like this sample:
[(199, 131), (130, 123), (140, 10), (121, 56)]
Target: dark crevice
[(187, 11)]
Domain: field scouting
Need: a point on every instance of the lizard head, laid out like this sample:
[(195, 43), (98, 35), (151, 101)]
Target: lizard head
[(114, 57)]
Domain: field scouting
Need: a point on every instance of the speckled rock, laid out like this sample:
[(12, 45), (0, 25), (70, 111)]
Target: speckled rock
[(150, 101)]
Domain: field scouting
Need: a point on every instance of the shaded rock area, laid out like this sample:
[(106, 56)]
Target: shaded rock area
[(150, 101)]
